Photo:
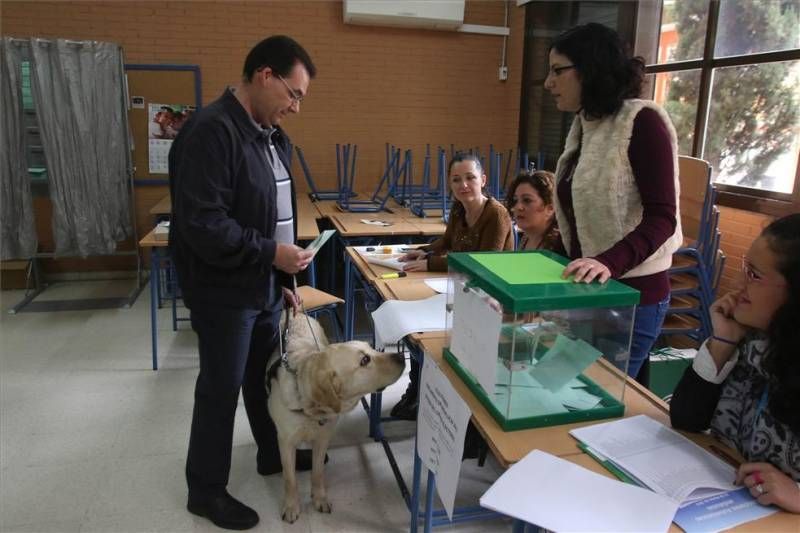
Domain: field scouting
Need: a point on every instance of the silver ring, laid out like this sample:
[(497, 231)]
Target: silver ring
[(760, 488)]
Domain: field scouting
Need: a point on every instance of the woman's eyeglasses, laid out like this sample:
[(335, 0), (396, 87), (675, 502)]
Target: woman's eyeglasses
[(751, 275), (556, 71)]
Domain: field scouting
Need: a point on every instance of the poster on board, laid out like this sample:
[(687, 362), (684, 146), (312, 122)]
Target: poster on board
[(164, 123)]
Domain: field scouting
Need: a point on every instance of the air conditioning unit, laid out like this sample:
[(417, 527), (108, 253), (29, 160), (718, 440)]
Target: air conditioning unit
[(431, 14)]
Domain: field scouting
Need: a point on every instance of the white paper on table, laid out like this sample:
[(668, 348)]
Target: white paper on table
[(437, 284), (565, 360), (395, 319), (476, 334), (441, 427), (386, 260), (558, 495), (660, 457)]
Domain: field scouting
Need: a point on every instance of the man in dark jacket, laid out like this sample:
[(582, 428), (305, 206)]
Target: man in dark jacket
[(232, 240)]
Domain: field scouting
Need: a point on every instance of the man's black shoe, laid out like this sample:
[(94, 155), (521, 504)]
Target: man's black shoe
[(302, 463), (406, 408), (225, 511)]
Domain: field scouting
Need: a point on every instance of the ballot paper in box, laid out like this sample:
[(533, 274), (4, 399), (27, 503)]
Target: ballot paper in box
[(537, 350)]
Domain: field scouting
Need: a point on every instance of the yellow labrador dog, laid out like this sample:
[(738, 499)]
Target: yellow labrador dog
[(310, 387)]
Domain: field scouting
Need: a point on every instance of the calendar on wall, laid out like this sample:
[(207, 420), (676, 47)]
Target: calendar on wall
[(164, 123)]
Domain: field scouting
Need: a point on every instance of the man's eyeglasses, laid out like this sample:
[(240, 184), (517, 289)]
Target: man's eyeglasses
[(753, 276), (296, 98), (556, 71)]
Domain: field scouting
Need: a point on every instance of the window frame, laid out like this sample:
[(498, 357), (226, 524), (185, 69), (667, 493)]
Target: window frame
[(761, 201)]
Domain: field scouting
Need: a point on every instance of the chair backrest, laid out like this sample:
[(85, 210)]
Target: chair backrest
[(695, 197)]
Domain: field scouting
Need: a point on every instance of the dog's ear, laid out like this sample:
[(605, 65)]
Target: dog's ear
[(327, 393)]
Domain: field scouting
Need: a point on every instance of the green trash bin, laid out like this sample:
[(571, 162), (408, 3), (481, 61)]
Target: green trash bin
[(666, 369)]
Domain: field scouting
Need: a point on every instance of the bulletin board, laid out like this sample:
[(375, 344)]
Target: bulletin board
[(170, 90)]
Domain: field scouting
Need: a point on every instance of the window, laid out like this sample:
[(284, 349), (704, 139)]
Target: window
[(37, 164), (728, 73), (543, 128)]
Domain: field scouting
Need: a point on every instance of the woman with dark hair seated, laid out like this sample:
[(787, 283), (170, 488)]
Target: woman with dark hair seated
[(477, 223), (617, 179), (529, 199), (745, 380)]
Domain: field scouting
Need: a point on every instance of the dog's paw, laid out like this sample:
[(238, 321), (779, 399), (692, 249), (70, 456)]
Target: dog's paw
[(291, 512), (322, 505)]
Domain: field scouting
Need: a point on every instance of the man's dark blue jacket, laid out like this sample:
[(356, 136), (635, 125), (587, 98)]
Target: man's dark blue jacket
[(224, 208)]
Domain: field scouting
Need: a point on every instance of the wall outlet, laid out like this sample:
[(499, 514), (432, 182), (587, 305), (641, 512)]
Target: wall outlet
[(502, 74)]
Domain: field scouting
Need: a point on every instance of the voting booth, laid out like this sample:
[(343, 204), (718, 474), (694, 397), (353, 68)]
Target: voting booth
[(535, 349)]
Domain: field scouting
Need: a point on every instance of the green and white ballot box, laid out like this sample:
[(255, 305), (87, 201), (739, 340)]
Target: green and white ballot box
[(535, 349)]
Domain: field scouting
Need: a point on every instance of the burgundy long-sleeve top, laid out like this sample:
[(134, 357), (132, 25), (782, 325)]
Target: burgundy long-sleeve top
[(650, 155)]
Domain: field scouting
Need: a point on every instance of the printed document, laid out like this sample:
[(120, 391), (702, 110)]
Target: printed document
[(441, 427), (661, 458)]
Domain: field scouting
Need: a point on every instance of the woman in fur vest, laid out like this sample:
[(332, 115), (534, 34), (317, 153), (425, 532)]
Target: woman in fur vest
[(617, 179)]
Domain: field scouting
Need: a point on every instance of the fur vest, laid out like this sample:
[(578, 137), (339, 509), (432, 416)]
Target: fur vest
[(605, 197)]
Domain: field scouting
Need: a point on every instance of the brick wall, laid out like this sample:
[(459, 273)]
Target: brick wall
[(375, 85)]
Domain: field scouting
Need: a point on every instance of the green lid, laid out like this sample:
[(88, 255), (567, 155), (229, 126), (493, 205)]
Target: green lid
[(531, 281)]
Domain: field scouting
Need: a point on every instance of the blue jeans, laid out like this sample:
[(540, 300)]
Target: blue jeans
[(646, 328)]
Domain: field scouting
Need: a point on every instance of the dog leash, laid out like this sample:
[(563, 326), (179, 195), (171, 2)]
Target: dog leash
[(285, 332), (303, 309)]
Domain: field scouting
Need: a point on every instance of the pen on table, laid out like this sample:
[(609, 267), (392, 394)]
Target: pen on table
[(393, 275), (725, 456)]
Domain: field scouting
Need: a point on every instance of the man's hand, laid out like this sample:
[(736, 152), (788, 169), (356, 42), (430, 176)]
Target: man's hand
[(291, 259), (292, 300)]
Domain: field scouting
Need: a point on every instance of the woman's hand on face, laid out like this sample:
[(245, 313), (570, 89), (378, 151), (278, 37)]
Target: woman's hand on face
[(587, 270), (722, 320), (419, 265), (412, 255), (776, 487)]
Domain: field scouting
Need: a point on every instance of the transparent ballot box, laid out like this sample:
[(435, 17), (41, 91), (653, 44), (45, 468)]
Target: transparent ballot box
[(535, 349)]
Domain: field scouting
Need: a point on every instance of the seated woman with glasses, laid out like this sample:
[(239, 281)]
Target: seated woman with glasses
[(477, 223), (530, 201), (745, 380)]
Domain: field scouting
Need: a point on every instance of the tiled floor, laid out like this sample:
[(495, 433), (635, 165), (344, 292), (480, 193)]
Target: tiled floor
[(93, 440)]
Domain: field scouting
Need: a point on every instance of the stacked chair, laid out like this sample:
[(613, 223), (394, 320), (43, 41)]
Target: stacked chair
[(697, 266), (345, 169)]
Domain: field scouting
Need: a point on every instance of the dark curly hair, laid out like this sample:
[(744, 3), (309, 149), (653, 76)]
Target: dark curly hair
[(783, 333), (608, 73), (542, 181)]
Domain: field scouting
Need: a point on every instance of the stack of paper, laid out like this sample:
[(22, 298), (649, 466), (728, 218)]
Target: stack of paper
[(161, 232)]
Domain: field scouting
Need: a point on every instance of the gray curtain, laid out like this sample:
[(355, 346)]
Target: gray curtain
[(79, 93), (17, 228)]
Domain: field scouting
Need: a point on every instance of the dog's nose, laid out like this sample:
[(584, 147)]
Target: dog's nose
[(398, 358)]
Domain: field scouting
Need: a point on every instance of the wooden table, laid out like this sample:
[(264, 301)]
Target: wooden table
[(163, 207), (306, 218), (510, 447)]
